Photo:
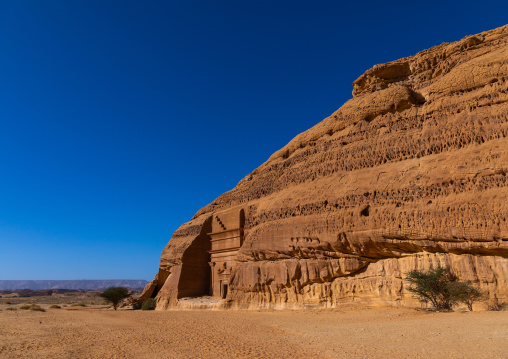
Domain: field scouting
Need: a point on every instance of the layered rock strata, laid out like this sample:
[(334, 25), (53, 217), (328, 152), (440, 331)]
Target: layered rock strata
[(410, 173)]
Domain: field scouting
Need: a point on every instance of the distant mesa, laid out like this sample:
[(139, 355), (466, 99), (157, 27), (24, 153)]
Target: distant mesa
[(71, 284), (410, 173)]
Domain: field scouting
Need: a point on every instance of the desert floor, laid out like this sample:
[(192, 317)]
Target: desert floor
[(98, 332)]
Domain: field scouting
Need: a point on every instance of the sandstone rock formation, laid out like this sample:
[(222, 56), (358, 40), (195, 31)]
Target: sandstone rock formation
[(410, 173)]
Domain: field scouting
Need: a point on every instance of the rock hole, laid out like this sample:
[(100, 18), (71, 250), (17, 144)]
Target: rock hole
[(365, 211)]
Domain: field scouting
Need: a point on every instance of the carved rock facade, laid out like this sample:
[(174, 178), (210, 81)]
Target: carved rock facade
[(410, 173)]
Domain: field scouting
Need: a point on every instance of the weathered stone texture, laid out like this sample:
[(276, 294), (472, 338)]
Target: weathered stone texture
[(408, 174)]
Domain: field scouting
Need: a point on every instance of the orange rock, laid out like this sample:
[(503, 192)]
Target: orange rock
[(408, 174)]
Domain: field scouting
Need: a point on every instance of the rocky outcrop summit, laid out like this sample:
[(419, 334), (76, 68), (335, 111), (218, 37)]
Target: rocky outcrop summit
[(410, 173)]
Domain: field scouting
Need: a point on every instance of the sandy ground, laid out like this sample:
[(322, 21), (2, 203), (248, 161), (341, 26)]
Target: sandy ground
[(98, 332)]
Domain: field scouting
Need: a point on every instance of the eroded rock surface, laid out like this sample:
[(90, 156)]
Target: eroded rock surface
[(410, 173)]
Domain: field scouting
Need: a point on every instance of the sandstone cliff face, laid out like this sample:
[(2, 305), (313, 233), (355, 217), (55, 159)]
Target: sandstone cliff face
[(408, 174)]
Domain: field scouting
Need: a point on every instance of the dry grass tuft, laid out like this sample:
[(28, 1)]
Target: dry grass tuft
[(79, 304)]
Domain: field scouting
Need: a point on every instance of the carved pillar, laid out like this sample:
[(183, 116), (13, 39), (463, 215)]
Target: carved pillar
[(212, 277)]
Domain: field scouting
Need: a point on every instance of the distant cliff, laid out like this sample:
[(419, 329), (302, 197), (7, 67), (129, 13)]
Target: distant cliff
[(70, 284)]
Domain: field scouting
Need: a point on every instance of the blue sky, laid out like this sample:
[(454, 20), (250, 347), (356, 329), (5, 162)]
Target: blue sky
[(120, 119)]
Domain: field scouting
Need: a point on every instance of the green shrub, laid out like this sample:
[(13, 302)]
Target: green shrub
[(432, 286), (115, 295), (11, 308), (466, 293), (55, 306), (441, 288), (25, 307), (149, 304)]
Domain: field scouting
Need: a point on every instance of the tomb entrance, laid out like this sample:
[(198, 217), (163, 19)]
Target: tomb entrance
[(226, 239)]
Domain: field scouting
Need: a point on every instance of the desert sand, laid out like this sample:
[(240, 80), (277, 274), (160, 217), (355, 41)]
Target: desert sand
[(99, 332)]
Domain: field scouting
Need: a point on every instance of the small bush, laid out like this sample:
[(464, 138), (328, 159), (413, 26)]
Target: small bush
[(80, 304), (440, 287), (496, 305), (55, 306), (432, 286), (11, 308), (36, 308), (115, 295), (7, 302), (33, 307), (149, 304), (466, 293)]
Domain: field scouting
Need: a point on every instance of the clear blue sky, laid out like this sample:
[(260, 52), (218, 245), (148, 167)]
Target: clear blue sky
[(120, 119)]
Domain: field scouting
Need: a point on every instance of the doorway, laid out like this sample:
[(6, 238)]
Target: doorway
[(224, 290)]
